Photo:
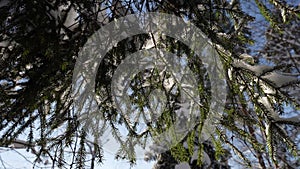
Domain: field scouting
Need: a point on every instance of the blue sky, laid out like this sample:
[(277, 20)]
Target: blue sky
[(21, 159), (15, 159)]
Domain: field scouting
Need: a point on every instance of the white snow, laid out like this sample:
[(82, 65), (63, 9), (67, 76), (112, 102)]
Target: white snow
[(168, 83), (182, 166), (267, 89), (70, 21), (268, 106), (151, 42), (247, 58), (4, 44), (279, 79), (257, 69)]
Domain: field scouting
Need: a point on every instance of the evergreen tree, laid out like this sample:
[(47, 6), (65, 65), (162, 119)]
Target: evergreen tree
[(39, 45)]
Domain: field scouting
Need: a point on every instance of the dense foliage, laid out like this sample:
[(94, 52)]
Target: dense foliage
[(39, 45)]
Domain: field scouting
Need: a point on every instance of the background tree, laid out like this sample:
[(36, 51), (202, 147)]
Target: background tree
[(40, 41)]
